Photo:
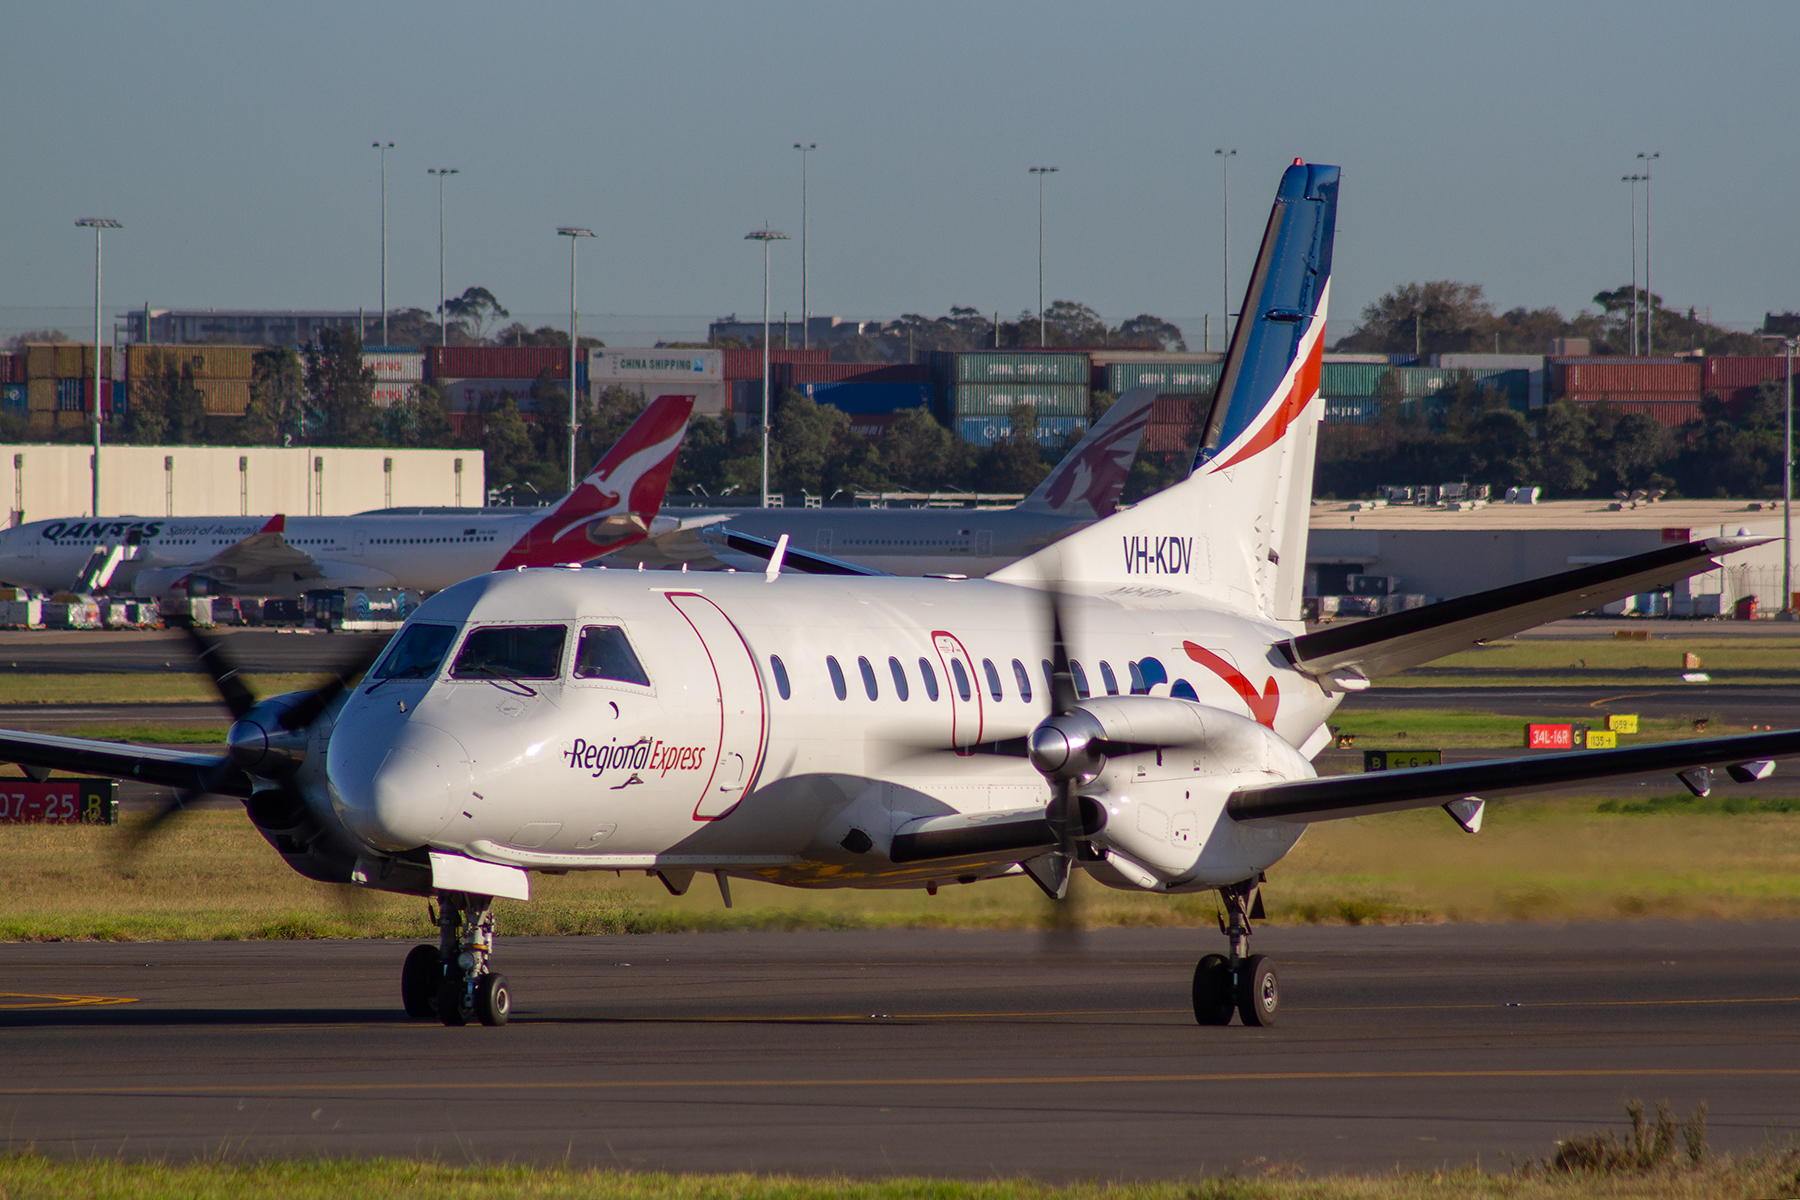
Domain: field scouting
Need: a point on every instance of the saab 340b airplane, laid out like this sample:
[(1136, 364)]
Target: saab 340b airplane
[(1138, 701), (614, 507)]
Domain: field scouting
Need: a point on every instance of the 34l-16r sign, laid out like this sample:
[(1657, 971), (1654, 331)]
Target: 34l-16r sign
[(59, 802)]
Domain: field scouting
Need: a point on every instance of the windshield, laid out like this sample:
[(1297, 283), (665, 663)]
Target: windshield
[(511, 652), (417, 653), (604, 652)]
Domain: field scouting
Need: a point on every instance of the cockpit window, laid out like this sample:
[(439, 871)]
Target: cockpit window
[(511, 652), (604, 652), (417, 653)]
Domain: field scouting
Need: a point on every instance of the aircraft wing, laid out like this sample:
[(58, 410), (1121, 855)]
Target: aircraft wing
[(669, 543), (1352, 654), (263, 555), (171, 768), (804, 561), (1336, 796)]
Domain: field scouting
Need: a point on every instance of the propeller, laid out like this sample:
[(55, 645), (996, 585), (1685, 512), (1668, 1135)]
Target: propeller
[(267, 739), (1063, 749)]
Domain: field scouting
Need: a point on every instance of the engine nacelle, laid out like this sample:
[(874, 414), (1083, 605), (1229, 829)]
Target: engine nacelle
[(1165, 823)]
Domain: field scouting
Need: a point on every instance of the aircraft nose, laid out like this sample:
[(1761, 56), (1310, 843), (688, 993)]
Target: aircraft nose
[(400, 795)]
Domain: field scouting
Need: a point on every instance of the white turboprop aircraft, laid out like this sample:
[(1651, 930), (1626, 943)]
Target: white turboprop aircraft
[(1137, 701), (613, 508)]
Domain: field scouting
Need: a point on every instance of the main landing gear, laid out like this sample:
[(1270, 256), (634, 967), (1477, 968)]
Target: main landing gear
[(1244, 983), (451, 980)]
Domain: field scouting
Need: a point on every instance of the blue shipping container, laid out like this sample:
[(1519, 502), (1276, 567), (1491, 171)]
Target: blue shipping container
[(985, 431), (68, 395), (868, 398), (14, 398)]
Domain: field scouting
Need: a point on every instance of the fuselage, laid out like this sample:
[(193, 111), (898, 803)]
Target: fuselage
[(910, 541), (428, 552), (767, 712)]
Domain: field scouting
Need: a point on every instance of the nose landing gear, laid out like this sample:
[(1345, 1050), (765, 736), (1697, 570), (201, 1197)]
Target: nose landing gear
[(1244, 983), (451, 980)]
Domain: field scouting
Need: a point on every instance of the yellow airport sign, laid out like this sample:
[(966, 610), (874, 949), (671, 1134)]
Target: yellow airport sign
[(1602, 739), (1621, 723)]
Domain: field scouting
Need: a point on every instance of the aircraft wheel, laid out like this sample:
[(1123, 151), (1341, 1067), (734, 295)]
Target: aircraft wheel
[(451, 998), (1212, 991), (419, 980), (1259, 991), (493, 1002)]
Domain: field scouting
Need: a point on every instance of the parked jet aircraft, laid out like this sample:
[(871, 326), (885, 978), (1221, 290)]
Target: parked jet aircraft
[(1137, 701), (614, 507), (1084, 487)]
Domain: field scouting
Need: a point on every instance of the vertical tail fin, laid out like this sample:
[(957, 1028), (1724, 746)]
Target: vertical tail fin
[(1088, 481), (614, 505), (1234, 531)]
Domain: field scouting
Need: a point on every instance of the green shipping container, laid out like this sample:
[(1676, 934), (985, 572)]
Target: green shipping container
[(997, 399), (1164, 377), (1363, 380), (1021, 368), (1351, 379)]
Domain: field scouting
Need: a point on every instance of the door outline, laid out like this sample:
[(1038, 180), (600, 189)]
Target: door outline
[(362, 540), (756, 760), (943, 642)]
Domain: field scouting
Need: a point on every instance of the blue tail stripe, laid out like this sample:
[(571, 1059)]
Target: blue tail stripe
[(1280, 305)]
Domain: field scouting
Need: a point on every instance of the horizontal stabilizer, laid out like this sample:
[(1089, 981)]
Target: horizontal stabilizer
[(1382, 645), (1335, 796), (792, 559), (170, 768)]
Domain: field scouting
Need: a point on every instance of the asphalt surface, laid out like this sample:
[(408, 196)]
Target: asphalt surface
[(259, 651), (958, 1054)]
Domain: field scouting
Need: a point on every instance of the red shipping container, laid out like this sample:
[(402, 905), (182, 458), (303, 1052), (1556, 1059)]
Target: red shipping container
[(1594, 378), (1743, 371), (748, 364), (792, 374), (1672, 412), (6, 369), (499, 362)]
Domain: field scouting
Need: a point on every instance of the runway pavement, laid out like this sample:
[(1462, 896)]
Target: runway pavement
[(159, 651), (962, 1054)]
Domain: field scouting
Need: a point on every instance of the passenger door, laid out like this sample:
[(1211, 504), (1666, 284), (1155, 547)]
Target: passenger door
[(961, 689), (742, 710)]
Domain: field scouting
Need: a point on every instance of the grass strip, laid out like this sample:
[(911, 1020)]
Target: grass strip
[(128, 688), (210, 876), (29, 1174)]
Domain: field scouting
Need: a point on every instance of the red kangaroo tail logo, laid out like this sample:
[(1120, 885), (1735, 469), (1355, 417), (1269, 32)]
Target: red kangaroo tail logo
[(1097, 473), (614, 505), (1261, 707)]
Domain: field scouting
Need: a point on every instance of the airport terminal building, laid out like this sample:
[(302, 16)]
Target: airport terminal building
[(1442, 551)]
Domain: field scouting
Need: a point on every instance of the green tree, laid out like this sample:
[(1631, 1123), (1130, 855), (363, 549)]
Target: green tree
[(505, 442), (150, 396), (1015, 463), (340, 390), (277, 398), (473, 310), (1440, 316), (1152, 332), (1565, 448), (422, 419), (803, 440), (919, 454)]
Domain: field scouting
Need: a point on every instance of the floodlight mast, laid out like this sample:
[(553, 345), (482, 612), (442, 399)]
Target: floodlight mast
[(1040, 172), (97, 224), (574, 233), (765, 235), (805, 225), (383, 148), (443, 317), (1225, 157)]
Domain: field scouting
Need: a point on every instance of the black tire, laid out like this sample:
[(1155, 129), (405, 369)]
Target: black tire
[(1212, 991), (493, 1002), (450, 998), (1258, 991), (419, 980)]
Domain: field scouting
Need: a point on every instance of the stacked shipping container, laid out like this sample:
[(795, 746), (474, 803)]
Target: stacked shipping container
[(976, 392)]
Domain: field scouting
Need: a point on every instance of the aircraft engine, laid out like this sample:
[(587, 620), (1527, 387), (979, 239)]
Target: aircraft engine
[(1154, 773)]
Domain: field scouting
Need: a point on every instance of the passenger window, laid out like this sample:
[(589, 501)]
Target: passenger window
[(837, 677), (993, 679), (781, 679), (604, 652), (962, 678), (417, 653), (868, 674), (512, 652), (1023, 678), (1081, 683), (1049, 678), (1108, 678), (930, 678), (899, 673), (1138, 687)]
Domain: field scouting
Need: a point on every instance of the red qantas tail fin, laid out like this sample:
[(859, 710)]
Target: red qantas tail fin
[(614, 505)]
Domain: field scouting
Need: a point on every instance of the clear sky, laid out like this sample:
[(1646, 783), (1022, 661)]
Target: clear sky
[(1479, 142)]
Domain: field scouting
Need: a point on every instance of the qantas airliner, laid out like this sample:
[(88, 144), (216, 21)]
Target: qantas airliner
[(615, 506)]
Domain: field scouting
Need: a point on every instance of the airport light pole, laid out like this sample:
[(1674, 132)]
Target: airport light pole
[(1225, 157), (765, 235), (443, 317), (1633, 180), (1040, 172), (805, 298), (383, 148), (99, 224), (1649, 296), (574, 233)]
